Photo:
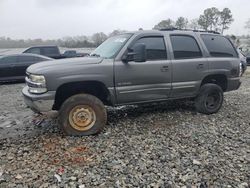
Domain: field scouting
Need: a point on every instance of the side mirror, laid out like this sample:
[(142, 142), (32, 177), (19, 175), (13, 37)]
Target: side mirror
[(137, 54)]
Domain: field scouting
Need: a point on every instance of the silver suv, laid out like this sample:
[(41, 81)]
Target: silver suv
[(135, 68)]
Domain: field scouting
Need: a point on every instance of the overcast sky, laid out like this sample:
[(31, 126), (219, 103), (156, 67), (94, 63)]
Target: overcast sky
[(50, 19)]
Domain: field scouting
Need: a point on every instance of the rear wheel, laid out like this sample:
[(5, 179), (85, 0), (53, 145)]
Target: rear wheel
[(82, 115), (210, 99)]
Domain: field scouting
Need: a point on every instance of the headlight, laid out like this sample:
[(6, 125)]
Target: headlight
[(40, 79), (36, 83)]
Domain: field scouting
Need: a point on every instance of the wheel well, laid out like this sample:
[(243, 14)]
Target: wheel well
[(95, 88), (218, 79)]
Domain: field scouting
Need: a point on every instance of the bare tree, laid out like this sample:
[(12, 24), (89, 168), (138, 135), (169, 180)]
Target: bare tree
[(193, 24), (247, 26), (225, 19), (116, 32), (164, 24), (181, 23), (213, 19), (209, 19), (99, 38)]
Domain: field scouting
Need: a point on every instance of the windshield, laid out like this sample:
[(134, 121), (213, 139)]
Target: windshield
[(111, 46)]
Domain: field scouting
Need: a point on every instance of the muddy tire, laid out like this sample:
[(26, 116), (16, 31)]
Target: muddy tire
[(82, 115), (210, 99)]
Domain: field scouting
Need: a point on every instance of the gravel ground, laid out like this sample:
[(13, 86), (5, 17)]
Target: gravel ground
[(158, 145)]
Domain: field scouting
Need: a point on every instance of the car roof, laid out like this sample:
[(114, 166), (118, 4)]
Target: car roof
[(29, 55), (43, 46)]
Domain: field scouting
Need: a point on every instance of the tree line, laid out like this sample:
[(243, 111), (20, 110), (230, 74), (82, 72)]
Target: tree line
[(211, 19), (69, 42)]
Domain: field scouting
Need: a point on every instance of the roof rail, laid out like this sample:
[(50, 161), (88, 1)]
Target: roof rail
[(169, 29), (209, 31), (194, 30)]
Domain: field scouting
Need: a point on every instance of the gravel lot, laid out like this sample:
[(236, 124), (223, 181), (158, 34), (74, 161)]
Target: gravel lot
[(159, 145)]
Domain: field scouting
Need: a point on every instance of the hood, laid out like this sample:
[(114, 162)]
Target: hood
[(62, 64)]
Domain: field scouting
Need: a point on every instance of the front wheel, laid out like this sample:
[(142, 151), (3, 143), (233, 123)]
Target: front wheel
[(210, 99), (82, 115)]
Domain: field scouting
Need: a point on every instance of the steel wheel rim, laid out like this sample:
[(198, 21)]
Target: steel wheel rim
[(212, 100), (82, 117)]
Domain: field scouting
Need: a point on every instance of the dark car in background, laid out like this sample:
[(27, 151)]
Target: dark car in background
[(13, 67), (49, 51), (54, 52), (74, 53)]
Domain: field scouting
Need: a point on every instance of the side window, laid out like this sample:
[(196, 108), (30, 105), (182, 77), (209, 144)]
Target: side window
[(219, 46), (26, 59), (10, 59), (50, 51), (155, 47), (33, 51), (185, 47)]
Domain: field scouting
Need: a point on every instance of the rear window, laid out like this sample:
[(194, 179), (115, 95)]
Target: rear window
[(219, 46)]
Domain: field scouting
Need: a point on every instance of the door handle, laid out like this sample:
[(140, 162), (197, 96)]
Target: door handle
[(164, 68), (200, 66)]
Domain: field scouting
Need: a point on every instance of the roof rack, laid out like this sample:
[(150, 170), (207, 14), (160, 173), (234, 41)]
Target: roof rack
[(194, 30)]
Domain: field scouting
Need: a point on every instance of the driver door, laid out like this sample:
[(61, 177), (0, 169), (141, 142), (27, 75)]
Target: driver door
[(144, 81)]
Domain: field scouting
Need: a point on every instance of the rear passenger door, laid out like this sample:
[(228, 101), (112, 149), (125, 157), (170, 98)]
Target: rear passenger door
[(188, 64)]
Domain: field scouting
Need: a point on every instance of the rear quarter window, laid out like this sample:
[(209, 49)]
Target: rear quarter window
[(219, 46)]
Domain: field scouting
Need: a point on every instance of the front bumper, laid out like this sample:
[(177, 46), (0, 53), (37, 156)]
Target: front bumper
[(39, 103), (233, 84)]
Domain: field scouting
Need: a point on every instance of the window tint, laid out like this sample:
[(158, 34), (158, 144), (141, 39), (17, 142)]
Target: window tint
[(33, 51), (219, 46), (185, 47), (155, 47), (26, 59), (50, 51), (10, 59)]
